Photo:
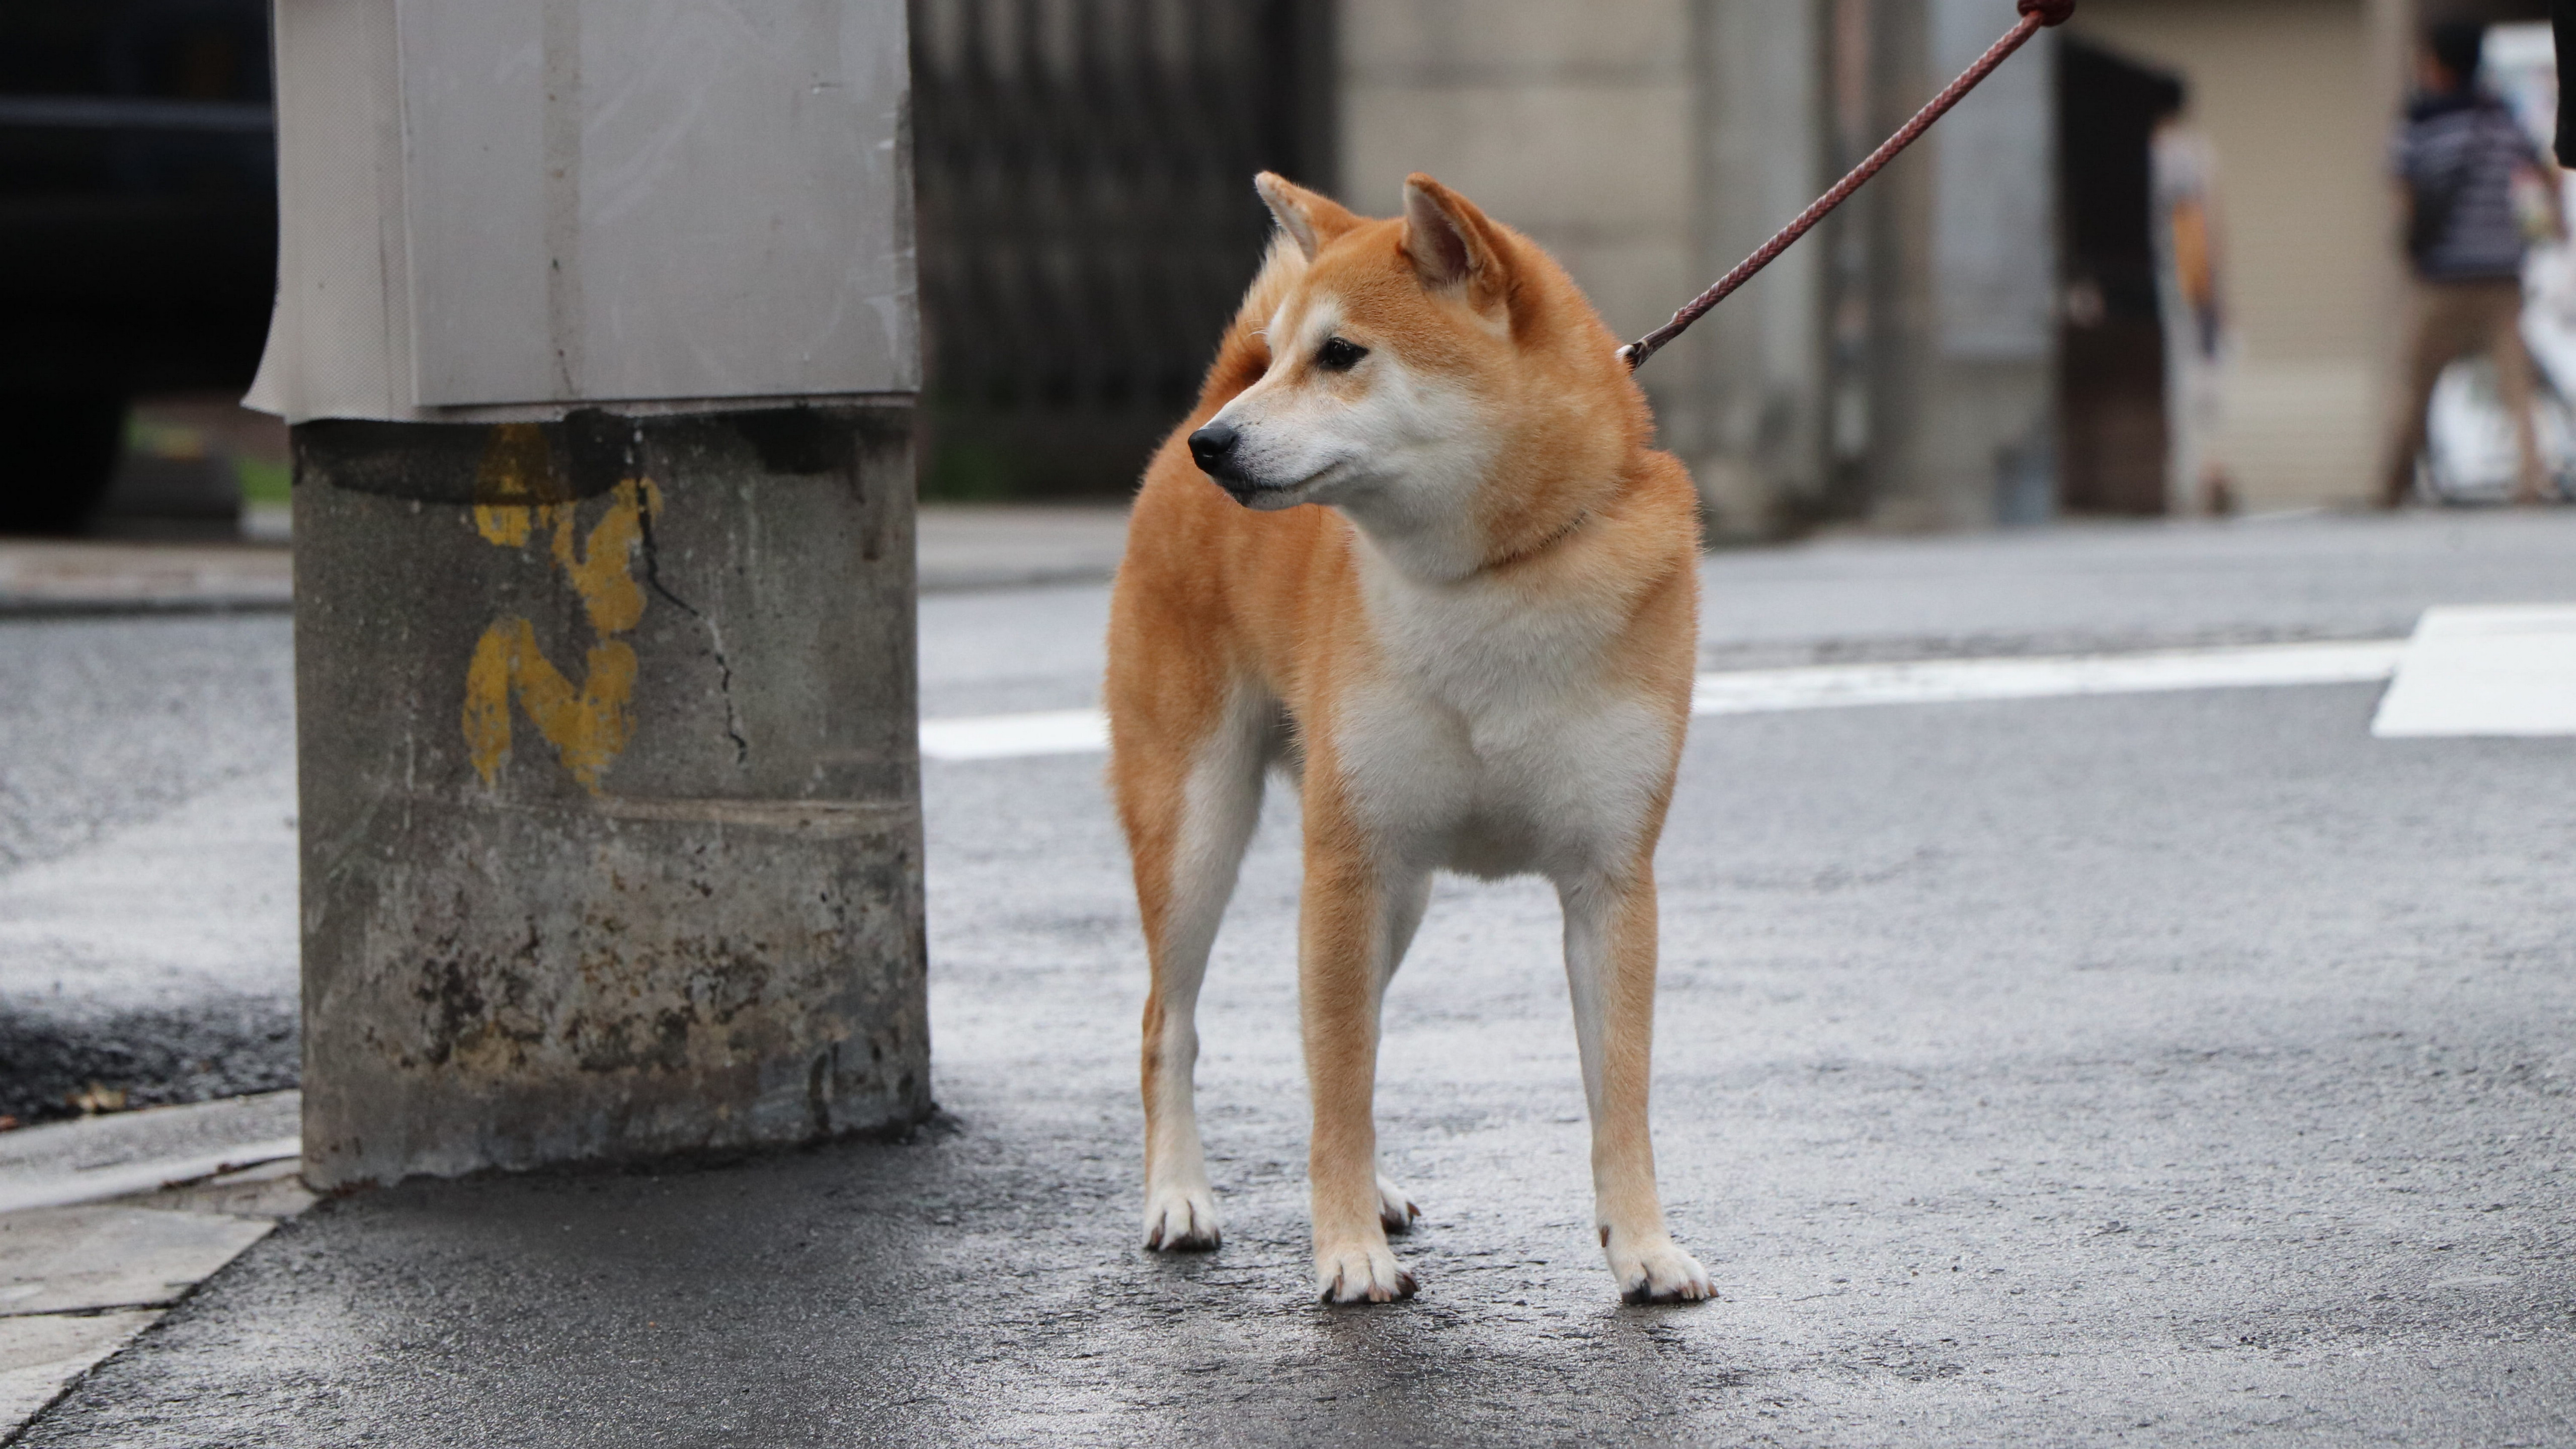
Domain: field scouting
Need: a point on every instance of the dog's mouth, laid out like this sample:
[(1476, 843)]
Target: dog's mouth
[(1270, 497)]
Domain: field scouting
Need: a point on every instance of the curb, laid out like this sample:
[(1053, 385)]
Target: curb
[(103, 1229)]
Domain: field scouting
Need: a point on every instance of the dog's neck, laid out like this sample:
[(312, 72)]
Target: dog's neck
[(1435, 534), (1453, 549), (1523, 552), (1424, 527)]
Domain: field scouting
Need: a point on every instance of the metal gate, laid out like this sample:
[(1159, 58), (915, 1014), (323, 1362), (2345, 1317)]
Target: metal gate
[(1087, 221)]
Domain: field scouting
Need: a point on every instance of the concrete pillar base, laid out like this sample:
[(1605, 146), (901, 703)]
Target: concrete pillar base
[(610, 787)]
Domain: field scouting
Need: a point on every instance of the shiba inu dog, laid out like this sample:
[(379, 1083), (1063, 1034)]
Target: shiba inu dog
[(1474, 654)]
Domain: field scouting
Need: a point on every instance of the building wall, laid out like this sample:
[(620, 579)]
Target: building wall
[(1571, 123), (2292, 95), (1964, 399), (1649, 144), (1760, 359)]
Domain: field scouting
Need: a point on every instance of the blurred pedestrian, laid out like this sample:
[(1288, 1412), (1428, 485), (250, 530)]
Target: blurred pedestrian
[(2182, 175), (2477, 194)]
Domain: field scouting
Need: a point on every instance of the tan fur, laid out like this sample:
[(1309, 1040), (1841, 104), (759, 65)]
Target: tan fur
[(1241, 638)]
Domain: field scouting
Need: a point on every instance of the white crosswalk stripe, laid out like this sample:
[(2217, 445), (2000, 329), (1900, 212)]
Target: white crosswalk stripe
[(2496, 670)]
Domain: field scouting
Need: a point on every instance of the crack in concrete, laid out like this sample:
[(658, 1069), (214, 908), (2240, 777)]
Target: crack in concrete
[(715, 643)]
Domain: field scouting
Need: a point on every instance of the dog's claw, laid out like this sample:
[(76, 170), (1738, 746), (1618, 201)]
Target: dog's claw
[(1645, 1294), (1659, 1271), (1395, 1209), (1181, 1220), (1363, 1275)]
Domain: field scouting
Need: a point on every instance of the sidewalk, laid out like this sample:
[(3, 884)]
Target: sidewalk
[(107, 1222), (961, 547), (51, 576)]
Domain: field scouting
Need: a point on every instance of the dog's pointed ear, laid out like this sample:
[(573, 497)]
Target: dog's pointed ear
[(1310, 218), (1451, 244)]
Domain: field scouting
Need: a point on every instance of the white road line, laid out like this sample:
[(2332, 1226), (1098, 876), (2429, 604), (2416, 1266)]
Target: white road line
[(1009, 736), (1823, 686), (1951, 681), (2491, 670)]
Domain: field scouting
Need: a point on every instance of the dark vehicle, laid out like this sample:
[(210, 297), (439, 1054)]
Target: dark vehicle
[(138, 227)]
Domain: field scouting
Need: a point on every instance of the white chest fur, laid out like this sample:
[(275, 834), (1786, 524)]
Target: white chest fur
[(1498, 739)]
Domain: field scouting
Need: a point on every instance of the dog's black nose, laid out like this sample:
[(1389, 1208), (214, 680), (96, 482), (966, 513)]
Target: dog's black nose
[(1212, 445)]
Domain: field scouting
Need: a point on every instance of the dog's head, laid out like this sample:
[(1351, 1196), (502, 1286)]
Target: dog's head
[(1437, 376)]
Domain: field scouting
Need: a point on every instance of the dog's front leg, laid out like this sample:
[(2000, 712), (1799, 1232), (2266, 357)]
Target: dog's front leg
[(1347, 921), (1610, 968)]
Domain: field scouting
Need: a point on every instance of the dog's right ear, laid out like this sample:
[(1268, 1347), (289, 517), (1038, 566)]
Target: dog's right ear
[(1311, 218)]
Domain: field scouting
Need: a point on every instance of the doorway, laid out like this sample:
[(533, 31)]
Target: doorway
[(2111, 344)]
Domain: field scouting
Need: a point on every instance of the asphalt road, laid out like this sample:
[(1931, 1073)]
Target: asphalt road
[(2164, 1069), (147, 890)]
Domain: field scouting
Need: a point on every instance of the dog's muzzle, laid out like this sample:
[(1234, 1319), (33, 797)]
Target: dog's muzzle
[(1214, 448)]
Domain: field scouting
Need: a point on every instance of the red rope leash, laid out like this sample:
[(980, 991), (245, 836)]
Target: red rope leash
[(2034, 15)]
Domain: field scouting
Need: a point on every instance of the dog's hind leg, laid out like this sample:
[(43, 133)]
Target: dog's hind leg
[(1190, 812), (1610, 968)]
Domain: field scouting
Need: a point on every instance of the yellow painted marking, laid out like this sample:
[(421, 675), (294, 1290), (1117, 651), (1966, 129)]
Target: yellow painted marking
[(517, 465), (588, 724), (603, 573)]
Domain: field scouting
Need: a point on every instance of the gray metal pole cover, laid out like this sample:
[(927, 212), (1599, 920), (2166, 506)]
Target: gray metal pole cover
[(596, 323)]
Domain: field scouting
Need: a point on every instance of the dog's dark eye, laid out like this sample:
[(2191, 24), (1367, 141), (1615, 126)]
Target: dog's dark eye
[(1338, 355)]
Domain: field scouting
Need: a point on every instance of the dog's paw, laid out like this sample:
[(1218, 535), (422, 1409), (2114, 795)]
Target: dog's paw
[(1356, 1274), (1656, 1270), (1181, 1220), (1395, 1207)]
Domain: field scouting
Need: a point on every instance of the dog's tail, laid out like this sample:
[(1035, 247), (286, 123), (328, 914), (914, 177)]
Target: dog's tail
[(1244, 353)]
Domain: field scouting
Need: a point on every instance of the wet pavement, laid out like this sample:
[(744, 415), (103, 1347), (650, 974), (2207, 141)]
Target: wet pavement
[(2163, 1068)]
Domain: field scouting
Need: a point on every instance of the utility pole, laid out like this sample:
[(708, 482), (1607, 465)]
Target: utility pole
[(596, 326)]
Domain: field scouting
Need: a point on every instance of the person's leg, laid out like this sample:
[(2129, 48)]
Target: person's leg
[(2418, 372), (2436, 335), (2513, 386)]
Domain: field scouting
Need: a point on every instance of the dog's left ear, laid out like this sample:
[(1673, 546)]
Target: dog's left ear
[(1451, 244)]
